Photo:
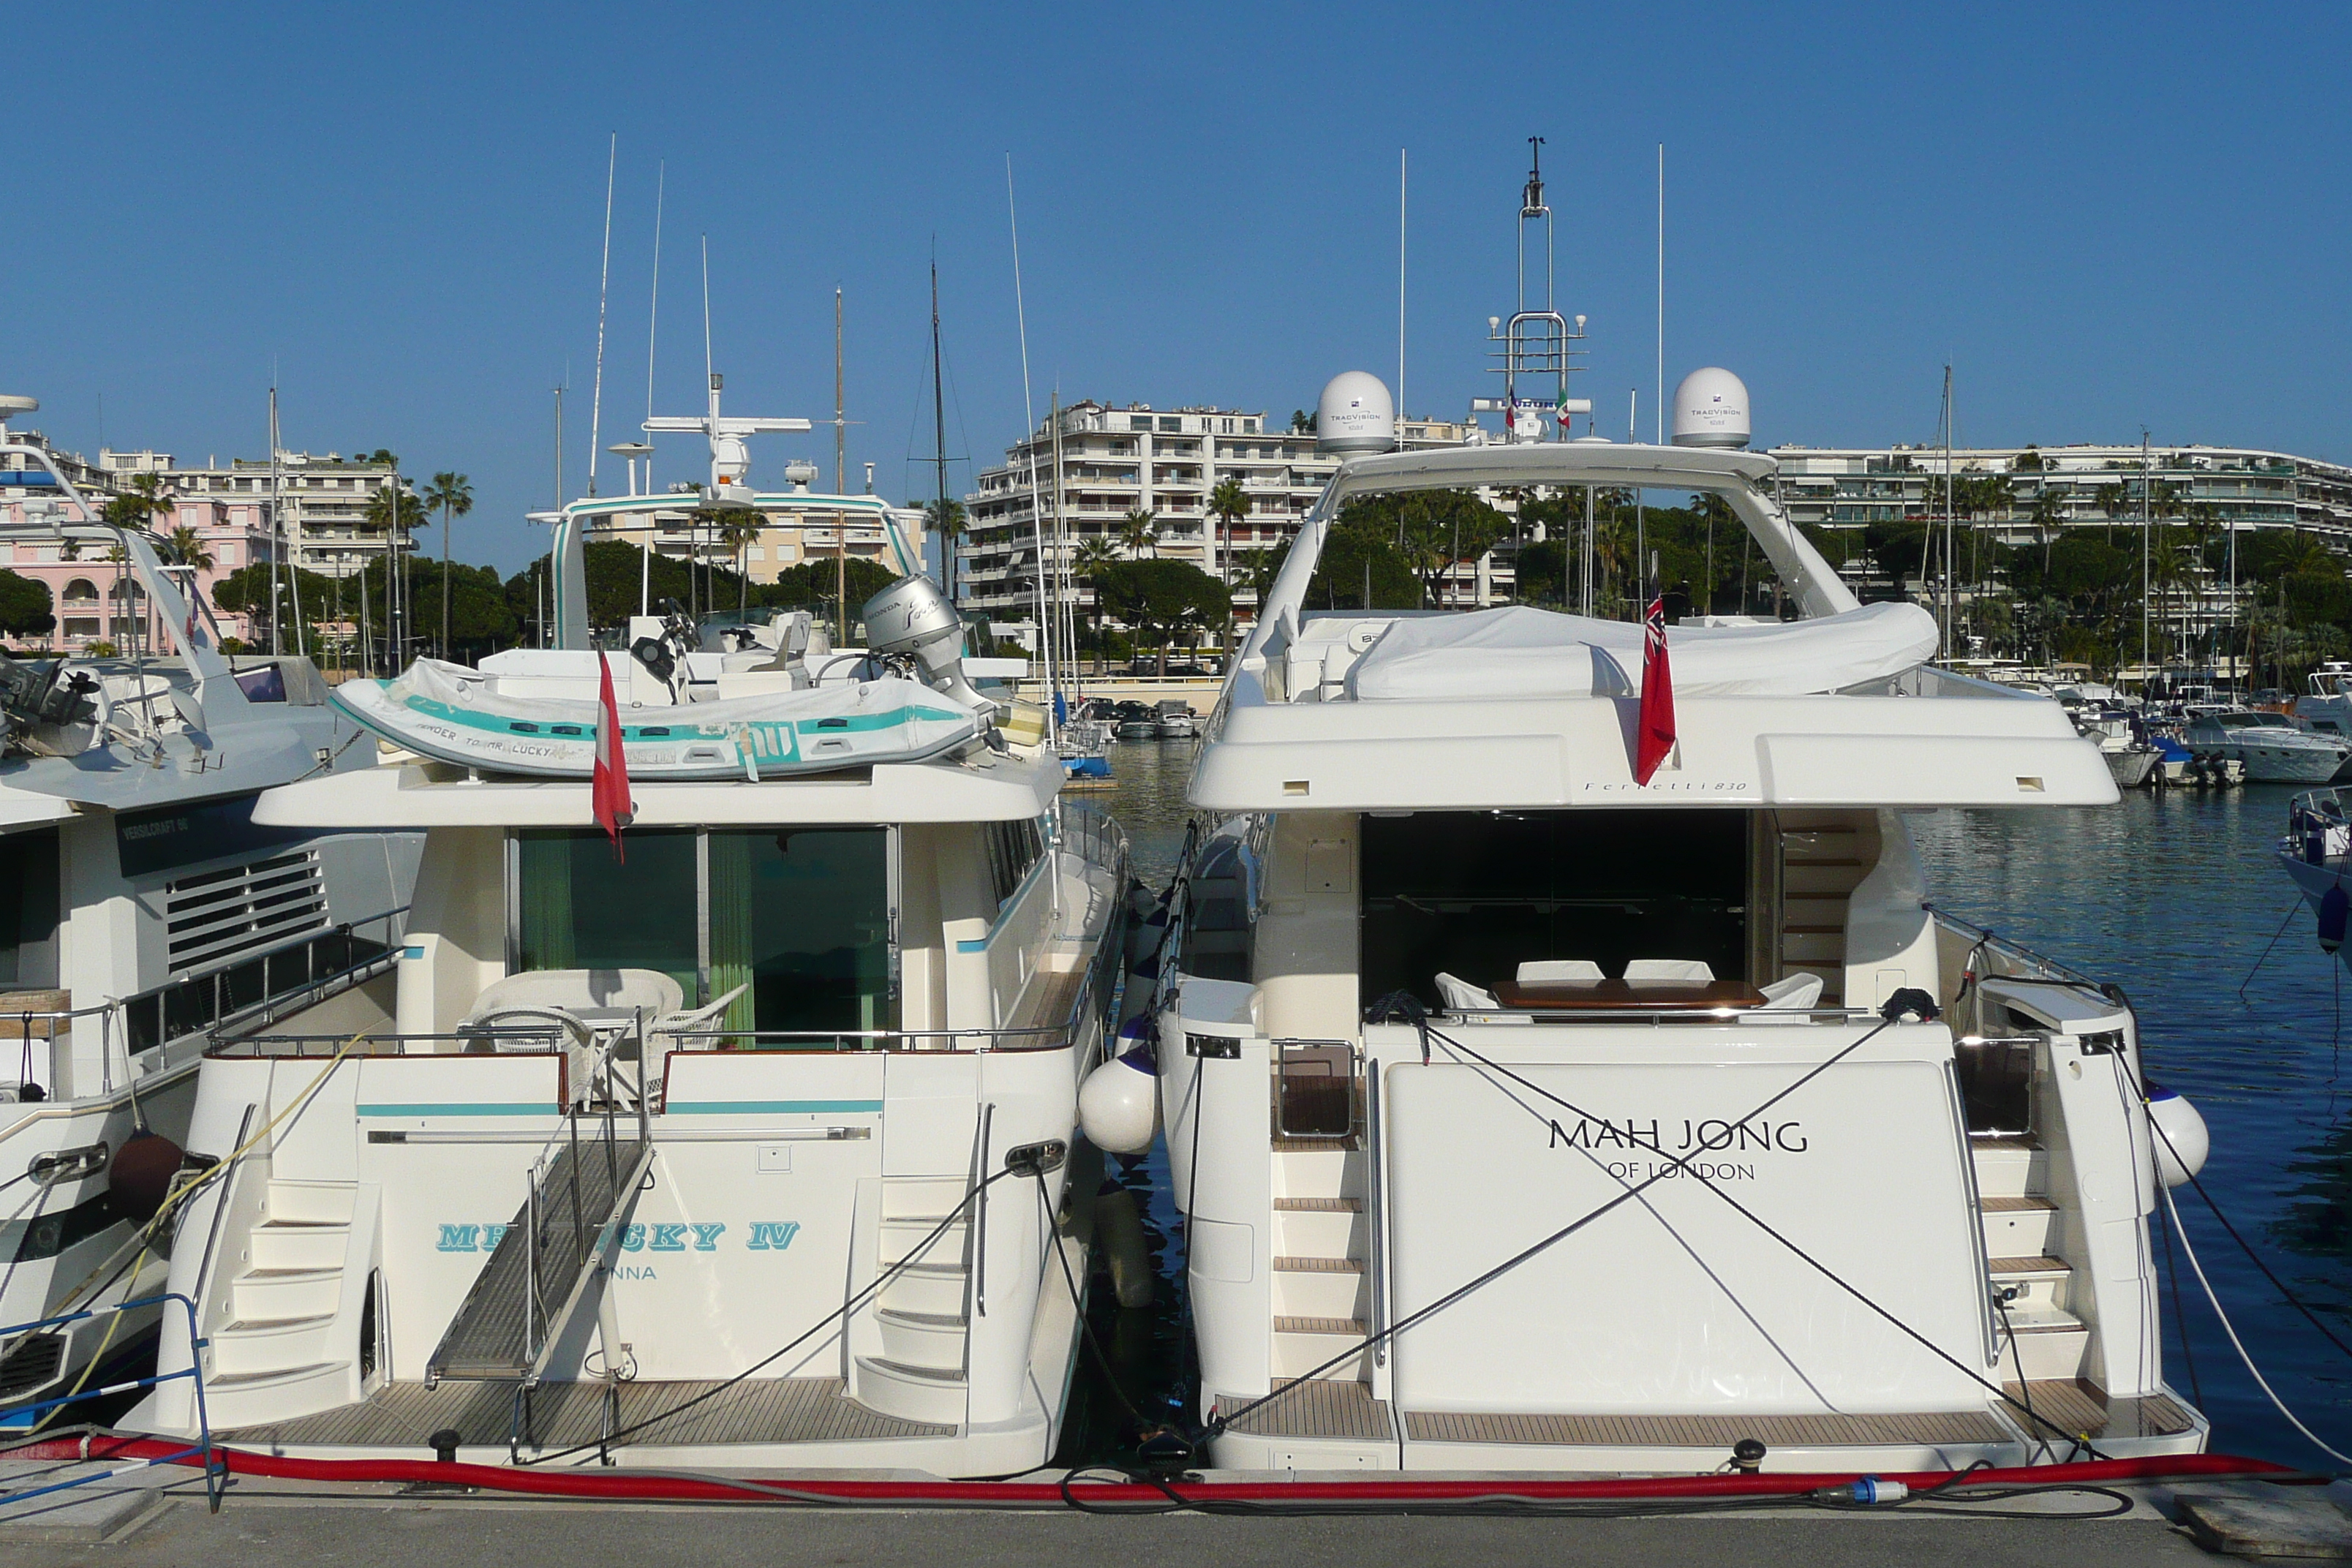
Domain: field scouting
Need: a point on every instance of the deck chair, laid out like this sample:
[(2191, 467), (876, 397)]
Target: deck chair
[(1461, 996), (1669, 972), (670, 1031), (1558, 971)]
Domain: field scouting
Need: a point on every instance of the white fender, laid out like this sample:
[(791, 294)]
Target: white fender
[(2181, 1142), (1119, 1105)]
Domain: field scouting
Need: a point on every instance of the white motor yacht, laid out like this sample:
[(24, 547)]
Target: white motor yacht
[(146, 914), (2272, 747), (1527, 1115), (741, 1135)]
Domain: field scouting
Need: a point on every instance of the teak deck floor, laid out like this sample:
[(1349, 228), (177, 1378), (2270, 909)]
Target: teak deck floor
[(764, 1410), (1334, 1407)]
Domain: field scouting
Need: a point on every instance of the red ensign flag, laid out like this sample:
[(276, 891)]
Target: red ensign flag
[(1655, 732), (608, 793)]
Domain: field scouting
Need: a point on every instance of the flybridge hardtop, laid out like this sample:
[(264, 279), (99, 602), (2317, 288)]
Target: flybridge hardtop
[(470, 718), (1366, 710)]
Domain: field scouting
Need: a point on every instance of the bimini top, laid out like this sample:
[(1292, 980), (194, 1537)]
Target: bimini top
[(1517, 652), (1516, 708)]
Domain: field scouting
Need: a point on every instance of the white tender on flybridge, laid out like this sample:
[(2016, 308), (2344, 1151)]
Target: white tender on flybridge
[(479, 719)]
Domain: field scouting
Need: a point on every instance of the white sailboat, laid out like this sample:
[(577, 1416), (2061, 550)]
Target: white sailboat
[(1529, 1115), (146, 915), (753, 1148)]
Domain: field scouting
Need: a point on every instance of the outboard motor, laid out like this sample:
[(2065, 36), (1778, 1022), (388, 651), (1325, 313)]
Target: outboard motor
[(913, 617)]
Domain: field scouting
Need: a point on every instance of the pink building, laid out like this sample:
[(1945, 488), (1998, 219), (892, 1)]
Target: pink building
[(93, 598)]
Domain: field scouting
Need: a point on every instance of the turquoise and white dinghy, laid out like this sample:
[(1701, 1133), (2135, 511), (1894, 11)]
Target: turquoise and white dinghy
[(480, 720)]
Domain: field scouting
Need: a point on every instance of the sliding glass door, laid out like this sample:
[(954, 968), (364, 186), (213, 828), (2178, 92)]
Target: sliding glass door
[(792, 926)]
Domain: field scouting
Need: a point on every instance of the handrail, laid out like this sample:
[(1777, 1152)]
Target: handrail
[(216, 1467), (1376, 1219), (2016, 951)]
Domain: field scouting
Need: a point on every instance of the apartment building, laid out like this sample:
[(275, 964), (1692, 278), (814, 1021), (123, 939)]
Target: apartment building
[(1119, 460)]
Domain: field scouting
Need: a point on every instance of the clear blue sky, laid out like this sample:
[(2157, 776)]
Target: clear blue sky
[(2106, 217)]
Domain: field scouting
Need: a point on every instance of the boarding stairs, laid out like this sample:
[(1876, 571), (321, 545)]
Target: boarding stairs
[(922, 1314), (583, 1186), (2040, 1335), (300, 1328), (1321, 1269)]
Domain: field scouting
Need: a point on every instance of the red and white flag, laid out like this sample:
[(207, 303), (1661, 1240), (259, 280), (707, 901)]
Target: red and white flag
[(608, 793), (1654, 731)]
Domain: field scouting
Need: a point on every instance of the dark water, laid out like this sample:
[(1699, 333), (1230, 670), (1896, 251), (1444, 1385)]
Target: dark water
[(2173, 899)]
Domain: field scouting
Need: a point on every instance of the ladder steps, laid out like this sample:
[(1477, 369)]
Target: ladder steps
[(2001, 1266), (1354, 1326), (1319, 1206), (2015, 1204), (1318, 1266)]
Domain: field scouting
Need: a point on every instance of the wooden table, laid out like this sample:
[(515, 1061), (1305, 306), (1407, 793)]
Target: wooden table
[(1647, 996)]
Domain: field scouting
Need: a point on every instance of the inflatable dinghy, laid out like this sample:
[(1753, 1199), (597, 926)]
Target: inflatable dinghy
[(455, 714)]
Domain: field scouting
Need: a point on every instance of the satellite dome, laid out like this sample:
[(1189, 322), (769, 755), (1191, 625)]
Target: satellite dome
[(1711, 409), (1355, 416)]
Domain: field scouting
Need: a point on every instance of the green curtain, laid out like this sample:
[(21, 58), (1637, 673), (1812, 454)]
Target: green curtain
[(731, 925), (548, 937)]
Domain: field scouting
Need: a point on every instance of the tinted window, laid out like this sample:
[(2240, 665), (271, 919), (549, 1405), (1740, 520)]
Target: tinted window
[(1475, 894), (29, 911)]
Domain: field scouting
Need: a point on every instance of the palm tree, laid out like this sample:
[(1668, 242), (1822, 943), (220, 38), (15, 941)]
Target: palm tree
[(1094, 553), (453, 494), (137, 506), (187, 548), (948, 521), (395, 509), (1231, 503), (738, 529), (1140, 533)]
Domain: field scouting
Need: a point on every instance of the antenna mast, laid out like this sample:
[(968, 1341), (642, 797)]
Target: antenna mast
[(603, 287)]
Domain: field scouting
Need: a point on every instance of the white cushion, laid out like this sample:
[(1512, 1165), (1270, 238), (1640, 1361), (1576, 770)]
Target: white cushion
[(1537, 971), (1799, 989), (1669, 971), (1461, 996)]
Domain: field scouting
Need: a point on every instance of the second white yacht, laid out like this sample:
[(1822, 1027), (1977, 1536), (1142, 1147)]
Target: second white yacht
[(1529, 1109)]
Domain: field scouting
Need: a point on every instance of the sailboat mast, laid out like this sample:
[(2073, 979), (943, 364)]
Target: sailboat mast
[(940, 445)]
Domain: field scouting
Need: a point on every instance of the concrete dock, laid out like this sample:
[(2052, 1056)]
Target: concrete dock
[(160, 1518)]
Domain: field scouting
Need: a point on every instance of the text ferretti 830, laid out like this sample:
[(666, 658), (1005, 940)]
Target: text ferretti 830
[(1560, 1065), (720, 1118)]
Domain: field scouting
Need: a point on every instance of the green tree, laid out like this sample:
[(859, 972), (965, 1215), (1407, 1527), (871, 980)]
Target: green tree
[(451, 495), (1301, 422), (1139, 533), (1162, 598), (1095, 552), (26, 607)]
